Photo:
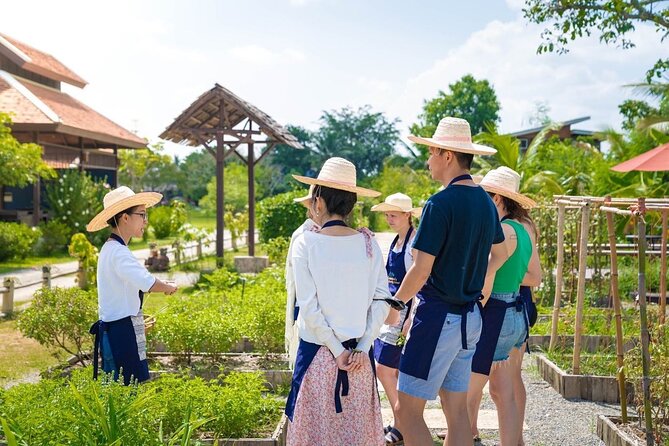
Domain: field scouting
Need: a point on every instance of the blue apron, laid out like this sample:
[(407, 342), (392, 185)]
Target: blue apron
[(385, 353), (493, 318), (122, 338)]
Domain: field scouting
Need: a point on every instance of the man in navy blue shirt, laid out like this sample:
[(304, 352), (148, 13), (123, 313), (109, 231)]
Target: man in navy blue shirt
[(457, 230)]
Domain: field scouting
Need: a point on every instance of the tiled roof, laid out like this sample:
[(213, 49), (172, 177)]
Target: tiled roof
[(31, 103), (37, 61), (205, 113)]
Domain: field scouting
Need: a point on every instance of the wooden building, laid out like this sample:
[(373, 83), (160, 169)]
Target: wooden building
[(565, 132), (72, 135)]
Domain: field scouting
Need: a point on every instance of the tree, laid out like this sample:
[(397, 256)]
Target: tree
[(195, 171), (22, 163), (298, 161), (146, 169), (615, 20), (236, 190), (361, 136), (468, 98)]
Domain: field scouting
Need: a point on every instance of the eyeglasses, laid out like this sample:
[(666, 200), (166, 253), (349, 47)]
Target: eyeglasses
[(141, 214)]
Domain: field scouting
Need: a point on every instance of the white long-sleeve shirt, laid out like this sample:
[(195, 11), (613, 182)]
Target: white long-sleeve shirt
[(335, 284), (120, 278)]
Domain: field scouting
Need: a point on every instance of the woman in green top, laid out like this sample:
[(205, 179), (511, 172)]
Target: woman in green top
[(505, 326)]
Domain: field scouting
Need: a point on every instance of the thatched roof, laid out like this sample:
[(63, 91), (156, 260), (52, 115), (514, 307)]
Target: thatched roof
[(203, 118)]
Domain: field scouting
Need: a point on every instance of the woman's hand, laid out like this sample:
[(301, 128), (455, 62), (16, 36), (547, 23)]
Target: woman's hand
[(343, 360), (393, 317), (358, 360)]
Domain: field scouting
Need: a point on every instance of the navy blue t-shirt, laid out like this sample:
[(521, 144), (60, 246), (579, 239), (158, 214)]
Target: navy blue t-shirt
[(459, 226)]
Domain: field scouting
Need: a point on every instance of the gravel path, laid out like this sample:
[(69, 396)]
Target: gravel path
[(551, 419)]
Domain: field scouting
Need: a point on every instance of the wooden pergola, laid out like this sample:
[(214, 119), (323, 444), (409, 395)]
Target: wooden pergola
[(222, 117)]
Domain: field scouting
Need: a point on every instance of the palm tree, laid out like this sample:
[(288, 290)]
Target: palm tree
[(509, 153), (656, 90)]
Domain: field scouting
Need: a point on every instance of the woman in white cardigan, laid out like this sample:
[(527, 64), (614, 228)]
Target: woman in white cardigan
[(342, 292)]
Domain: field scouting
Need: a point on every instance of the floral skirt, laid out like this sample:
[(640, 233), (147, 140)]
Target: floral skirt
[(315, 421)]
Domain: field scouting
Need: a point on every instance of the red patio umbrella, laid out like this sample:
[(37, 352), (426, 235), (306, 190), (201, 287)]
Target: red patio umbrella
[(652, 161)]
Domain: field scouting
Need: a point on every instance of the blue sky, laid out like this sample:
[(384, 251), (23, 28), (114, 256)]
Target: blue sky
[(148, 60)]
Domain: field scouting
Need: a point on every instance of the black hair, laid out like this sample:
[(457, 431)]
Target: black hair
[(464, 159), (338, 202), (516, 212), (113, 222)]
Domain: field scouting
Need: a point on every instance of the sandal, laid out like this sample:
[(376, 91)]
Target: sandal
[(387, 429), (477, 441), (394, 438)]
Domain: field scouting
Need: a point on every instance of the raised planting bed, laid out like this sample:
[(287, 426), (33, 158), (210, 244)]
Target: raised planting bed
[(278, 438), (613, 433), (585, 387), (589, 343), (210, 366)]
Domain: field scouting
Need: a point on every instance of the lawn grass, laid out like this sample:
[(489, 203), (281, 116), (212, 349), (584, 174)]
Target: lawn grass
[(33, 262), (21, 356)]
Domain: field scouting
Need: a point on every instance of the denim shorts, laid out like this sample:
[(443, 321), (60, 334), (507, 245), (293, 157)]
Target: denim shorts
[(451, 364), (514, 328)]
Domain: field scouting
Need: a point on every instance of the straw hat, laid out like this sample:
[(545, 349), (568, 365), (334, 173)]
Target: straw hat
[(506, 182), (454, 134), (338, 173), (304, 201), (397, 203), (119, 200)]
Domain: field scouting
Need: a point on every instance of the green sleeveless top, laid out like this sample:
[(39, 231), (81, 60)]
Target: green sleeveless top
[(510, 275)]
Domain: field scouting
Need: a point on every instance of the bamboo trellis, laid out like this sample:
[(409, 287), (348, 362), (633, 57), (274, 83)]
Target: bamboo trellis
[(636, 208)]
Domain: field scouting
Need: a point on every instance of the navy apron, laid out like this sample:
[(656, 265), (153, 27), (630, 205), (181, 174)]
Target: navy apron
[(306, 352), (385, 353), (428, 322), (123, 343)]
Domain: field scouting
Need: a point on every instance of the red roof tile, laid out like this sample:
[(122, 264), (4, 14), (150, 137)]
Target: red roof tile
[(39, 62)]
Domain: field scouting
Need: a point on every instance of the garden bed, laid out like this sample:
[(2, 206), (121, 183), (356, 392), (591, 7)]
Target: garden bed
[(613, 433), (585, 387), (589, 343)]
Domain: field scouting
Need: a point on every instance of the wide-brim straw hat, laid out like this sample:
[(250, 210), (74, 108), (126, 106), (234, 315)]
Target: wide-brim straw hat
[(454, 134), (304, 201), (119, 200), (338, 173), (506, 182), (397, 203)]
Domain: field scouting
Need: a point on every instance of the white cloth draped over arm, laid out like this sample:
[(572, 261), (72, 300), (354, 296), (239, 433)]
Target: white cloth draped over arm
[(307, 300), (378, 309)]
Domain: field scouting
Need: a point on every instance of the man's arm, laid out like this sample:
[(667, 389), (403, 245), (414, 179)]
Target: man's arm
[(416, 276)]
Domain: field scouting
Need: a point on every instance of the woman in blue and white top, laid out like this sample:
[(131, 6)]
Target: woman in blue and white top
[(122, 282), (398, 210)]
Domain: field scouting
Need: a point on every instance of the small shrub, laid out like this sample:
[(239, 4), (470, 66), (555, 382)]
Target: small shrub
[(54, 238), (178, 217), (60, 317), (161, 221), (16, 240), (277, 249), (87, 254), (279, 216)]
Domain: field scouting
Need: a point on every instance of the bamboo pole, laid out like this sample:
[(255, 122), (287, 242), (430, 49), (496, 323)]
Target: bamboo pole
[(558, 275), (645, 338), (580, 293), (618, 317), (663, 269)]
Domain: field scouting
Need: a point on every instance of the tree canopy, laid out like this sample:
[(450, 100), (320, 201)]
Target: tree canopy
[(615, 20), (146, 169), (22, 162), (468, 98)]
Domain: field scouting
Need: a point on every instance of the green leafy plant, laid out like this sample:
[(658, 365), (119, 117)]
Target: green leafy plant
[(55, 235), (60, 317), (277, 249), (279, 216), (87, 254), (237, 223), (161, 221), (17, 240)]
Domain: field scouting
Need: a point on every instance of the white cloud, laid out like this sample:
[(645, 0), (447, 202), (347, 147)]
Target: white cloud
[(587, 81)]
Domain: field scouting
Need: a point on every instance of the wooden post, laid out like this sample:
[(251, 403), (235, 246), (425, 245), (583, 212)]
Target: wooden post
[(199, 249), (580, 292), (220, 202), (645, 338), (663, 269), (618, 316), (46, 276), (250, 239), (558, 275), (82, 276), (36, 202), (8, 296)]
